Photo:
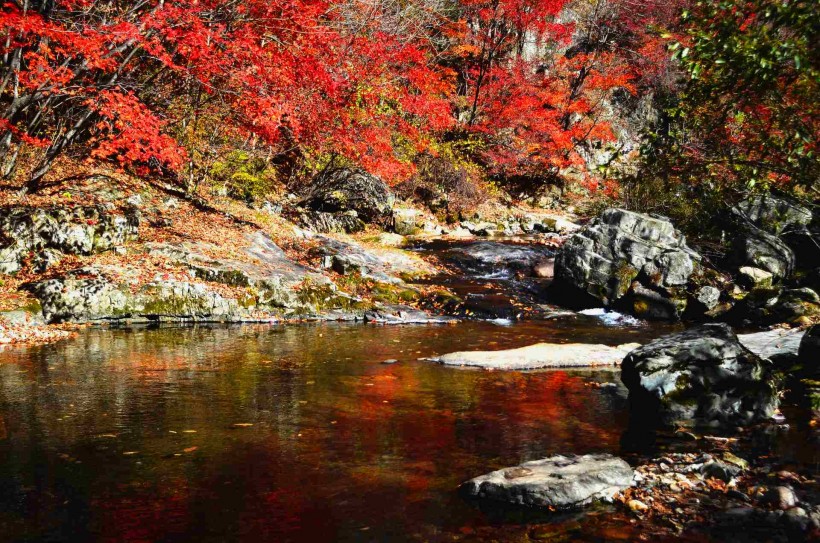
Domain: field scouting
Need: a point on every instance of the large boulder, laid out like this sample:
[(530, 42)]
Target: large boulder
[(622, 250), (346, 190), (757, 248), (773, 214), (558, 482), (49, 233), (702, 376)]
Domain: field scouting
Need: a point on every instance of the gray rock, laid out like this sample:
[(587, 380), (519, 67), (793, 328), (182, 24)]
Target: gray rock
[(344, 189), (759, 249), (557, 482), (404, 315), (754, 278), (773, 214), (274, 279), (544, 269), (773, 344), (540, 355), (495, 256), (274, 285), (345, 257), (339, 223), (407, 222), (87, 296), (720, 470), (708, 296), (621, 247), (703, 376), (49, 233)]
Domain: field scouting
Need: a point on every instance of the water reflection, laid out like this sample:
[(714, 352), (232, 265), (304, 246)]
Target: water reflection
[(284, 433)]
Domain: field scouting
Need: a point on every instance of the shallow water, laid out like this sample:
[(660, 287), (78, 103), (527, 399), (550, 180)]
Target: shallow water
[(297, 433)]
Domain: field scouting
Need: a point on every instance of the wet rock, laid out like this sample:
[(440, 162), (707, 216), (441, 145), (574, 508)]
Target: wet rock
[(540, 355), (703, 376), (557, 482), (759, 249), (50, 233), (738, 495), (344, 190), (491, 256), (621, 249), (404, 315)]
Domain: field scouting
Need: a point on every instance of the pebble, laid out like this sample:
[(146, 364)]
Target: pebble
[(637, 505), (390, 361)]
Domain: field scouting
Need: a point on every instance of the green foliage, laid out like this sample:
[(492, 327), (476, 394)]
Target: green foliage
[(751, 108), (244, 176)]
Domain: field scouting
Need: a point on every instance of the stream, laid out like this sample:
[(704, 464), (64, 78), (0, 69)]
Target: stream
[(300, 432)]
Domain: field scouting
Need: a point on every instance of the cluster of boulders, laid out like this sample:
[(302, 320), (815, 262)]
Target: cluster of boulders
[(642, 265), (346, 200), (46, 235), (189, 280), (703, 378)]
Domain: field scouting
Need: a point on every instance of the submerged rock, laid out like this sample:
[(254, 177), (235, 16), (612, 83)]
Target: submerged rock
[(703, 376), (623, 250), (557, 482), (540, 355)]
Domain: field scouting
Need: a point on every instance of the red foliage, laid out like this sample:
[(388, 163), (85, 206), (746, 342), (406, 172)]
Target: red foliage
[(288, 72)]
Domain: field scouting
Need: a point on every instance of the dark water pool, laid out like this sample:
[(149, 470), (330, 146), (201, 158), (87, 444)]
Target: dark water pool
[(298, 433)]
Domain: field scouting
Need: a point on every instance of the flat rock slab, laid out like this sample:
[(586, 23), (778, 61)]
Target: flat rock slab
[(773, 343), (541, 355), (558, 482)]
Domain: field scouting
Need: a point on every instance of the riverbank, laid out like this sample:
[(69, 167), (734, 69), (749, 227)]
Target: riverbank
[(113, 249)]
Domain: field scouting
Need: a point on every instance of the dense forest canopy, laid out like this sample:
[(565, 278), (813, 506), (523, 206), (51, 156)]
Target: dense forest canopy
[(513, 89)]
